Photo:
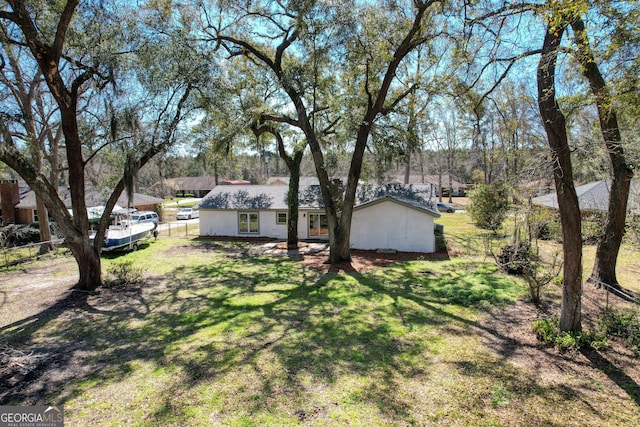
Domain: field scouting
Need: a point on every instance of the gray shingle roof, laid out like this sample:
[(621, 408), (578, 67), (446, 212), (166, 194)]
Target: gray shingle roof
[(92, 197), (592, 196), (270, 197)]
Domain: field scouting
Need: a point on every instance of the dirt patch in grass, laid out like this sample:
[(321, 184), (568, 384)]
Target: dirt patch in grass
[(34, 288), (509, 332), (362, 261), (32, 368)]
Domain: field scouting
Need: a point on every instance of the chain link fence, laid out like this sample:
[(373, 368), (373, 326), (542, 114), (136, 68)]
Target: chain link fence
[(473, 246), (28, 253), (188, 228), (605, 297)]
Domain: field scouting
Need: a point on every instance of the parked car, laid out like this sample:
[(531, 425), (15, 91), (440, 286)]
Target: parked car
[(141, 217), (187, 213), (442, 207)]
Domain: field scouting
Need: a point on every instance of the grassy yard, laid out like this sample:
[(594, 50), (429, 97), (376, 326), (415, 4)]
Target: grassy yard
[(219, 335), (469, 239)]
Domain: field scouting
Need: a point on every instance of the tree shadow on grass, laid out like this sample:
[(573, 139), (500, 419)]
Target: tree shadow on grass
[(617, 375), (258, 328)]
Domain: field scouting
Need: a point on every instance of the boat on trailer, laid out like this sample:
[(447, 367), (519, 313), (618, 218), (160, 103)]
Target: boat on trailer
[(127, 237)]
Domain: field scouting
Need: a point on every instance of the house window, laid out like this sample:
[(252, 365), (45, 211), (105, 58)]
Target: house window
[(35, 216), (318, 225), (248, 222), (281, 217)]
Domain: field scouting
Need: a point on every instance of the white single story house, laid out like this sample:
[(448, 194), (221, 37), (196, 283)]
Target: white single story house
[(393, 216)]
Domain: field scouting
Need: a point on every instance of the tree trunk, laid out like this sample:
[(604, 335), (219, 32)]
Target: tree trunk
[(43, 226), (88, 260), (407, 165), (604, 268), (294, 200), (555, 127), (293, 192), (341, 249)]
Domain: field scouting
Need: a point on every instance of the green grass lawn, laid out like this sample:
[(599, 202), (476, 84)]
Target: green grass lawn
[(218, 336), (468, 239)]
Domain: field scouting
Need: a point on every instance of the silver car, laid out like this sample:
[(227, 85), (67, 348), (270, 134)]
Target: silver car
[(187, 213), (140, 217)]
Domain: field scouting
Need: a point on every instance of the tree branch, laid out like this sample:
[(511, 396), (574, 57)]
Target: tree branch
[(63, 26)]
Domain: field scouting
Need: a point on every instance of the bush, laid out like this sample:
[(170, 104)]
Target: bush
[(441, 242), (624, 324), (592, 227), (18, 235), (488, 206), (124, 274), (632, 234), (545, 225), (515, 259), (548, 331)]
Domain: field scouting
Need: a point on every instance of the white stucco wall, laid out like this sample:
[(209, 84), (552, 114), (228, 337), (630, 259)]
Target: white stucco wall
[(390, 225), (215, 222), (387, 225)]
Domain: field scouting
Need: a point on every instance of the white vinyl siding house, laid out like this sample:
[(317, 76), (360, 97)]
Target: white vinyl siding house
[(281, 218), (391, 224), (248, 222), (385, 217)]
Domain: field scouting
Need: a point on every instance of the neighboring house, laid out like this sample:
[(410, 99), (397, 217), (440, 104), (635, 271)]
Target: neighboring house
[(399, 217), (594, 197), (538, 187), (24, 204), (459, 189), (284, 180), (11, 191), (199, 186)]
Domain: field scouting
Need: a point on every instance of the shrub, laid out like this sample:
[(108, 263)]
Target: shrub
[(488, 206), (592, 227), (545, 225), (548, 331), (567, 341), (632, 234), (515, 259), (124, 274), (441, 242), (12, 235), (624, 324)]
